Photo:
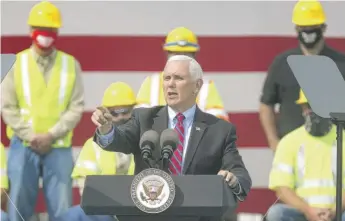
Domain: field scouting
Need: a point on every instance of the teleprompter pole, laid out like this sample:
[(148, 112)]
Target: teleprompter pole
[(339, 120)]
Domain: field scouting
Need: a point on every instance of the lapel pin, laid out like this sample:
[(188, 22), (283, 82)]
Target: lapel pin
[(197, 128)]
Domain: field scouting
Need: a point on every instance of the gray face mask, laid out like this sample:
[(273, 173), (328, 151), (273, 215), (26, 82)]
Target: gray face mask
[(309, 38), (317, 126)]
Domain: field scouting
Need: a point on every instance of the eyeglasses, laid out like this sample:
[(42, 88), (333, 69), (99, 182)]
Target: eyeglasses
[(118, 112)]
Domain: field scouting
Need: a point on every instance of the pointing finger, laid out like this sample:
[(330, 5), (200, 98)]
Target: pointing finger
[(108, 116), (103, 109), (95, 121)]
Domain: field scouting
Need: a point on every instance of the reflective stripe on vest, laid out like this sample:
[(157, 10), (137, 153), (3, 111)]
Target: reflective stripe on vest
[(315, 183), (3, 173), (155, 89), (26, 81), (217, 112), (123, 161), (203, 95), (90, 165), (32, 107), (97, 151)]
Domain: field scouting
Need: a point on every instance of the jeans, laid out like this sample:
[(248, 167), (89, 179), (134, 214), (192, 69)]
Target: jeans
[(76, 213), (4, 216), (24, 169), (283, 212)]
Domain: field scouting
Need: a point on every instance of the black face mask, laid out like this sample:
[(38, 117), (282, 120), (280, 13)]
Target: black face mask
[(120, 122), (317, 126), (309, 38)]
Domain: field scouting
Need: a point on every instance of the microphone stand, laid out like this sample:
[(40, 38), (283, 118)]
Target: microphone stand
[(148, 160), (165, 162)]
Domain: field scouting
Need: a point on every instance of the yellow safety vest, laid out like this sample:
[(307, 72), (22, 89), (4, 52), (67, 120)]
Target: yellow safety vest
[(3, 169), (93, 160), (307, 164), (42, 104), (151, 94)]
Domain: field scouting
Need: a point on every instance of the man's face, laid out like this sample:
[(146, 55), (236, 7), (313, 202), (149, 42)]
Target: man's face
[(314, 124), (310, 36), (44, 38), (120, 114), (180, 89)]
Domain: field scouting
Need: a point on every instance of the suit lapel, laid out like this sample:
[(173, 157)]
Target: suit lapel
[(197, 131), (160, 123)]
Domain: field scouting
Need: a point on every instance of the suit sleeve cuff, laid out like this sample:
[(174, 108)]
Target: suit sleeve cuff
[(238, 191), (105, 139)]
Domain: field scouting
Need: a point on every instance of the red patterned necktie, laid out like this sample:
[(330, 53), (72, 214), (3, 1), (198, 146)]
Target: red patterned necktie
[(175, 166)]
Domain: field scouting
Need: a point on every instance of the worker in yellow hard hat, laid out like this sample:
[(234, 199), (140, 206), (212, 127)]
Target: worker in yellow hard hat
[(303, 173), (119, 99), (181, 41), (280, 86), (42, 102), (310, 23), (44, 21)]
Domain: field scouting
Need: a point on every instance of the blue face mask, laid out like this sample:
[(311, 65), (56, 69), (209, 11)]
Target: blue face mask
[(316, 125)]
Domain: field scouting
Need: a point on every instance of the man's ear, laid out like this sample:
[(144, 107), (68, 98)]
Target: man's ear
[(199, 84)]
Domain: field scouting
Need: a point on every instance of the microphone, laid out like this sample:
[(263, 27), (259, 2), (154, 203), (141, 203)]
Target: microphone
[(148, 142), (168, 141)]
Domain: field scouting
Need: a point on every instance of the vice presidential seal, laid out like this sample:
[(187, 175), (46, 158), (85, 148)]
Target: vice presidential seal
[(153, 190)]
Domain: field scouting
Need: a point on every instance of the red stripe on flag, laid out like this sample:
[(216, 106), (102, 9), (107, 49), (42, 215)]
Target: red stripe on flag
[(258, 201), (249, 130), (128, 53)]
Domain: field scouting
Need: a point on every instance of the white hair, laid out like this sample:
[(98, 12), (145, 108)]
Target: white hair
[(195, 69)]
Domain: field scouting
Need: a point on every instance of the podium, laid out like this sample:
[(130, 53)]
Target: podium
[(196, 197)]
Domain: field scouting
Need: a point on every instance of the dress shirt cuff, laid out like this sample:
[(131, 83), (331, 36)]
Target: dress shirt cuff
[(237, 191), (105, 139)]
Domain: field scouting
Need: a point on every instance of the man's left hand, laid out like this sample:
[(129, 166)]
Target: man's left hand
[(44, 142), (229, 177)]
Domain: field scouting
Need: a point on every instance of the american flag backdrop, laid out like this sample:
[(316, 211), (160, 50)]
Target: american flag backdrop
[(122, 41)]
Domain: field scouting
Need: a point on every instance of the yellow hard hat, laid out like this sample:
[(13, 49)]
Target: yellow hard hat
[(45, 14), (181, 39), (308, 13), (118, 94), (302, 98)]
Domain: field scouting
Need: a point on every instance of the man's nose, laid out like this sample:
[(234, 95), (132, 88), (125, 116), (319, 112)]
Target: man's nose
[(171, 83)]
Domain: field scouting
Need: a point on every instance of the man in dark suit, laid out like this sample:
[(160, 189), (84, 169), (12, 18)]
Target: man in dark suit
[(207, 143)]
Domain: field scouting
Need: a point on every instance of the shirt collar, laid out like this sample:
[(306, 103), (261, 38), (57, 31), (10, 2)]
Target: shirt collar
[(188, 114), (43, 60)]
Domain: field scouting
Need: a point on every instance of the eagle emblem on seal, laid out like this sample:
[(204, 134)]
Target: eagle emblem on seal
[(152, 193)]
